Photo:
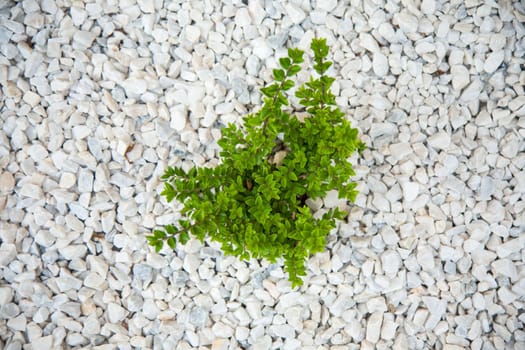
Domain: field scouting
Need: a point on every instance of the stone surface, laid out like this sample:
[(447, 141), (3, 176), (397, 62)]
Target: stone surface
[(380, 64), (440, 140), (98, 98), (115, 313), (373, 327), (7, 182), (493, 61), (410, 191), (460, 77)]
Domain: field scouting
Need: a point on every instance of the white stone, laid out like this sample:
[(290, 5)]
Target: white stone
[(380, 64), (85, 181), (134, 87), (192, 33), (92, 325), (78, 15), (517, 104), (222, 330), (160, 35), (94, 280), (122, 180), (98, 265), (318, 17), (18, 323), (150, 309), (253, 65), (368, 42), (32, 99), (326, 5), (437, 308), (257, 11), (73, 251), (31, 191), (510, 247), (410, 191), (388, 329), (67, 180), (242, 17), (220, 344), (440, 140), (284, 331), (42, 216), (84, 39), (332, 199), (6, 294), (389, 236), (67, 282), (146, 6), (49, 6), (373, 327), (505, 267), (380, 202), (407, 22), (293, 316), (191, 263), (471, 92), (391, 262), (108, 221), (110, 72), (428, 7), (43, 343), (115, 313), (510, 147), (460, 76), (37, 152), (7, 182), (178, 118), (380, 103), (386, 30), (506, 296), (295, 13), (183, 54), (81, 131), (494, 213), (425, 47), (493, 61), (425, 258)]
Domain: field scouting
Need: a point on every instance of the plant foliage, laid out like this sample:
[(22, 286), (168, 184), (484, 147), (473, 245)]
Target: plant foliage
[(254, 202)]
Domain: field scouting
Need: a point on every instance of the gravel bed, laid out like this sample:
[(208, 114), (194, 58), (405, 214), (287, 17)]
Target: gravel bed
[(97, 98)]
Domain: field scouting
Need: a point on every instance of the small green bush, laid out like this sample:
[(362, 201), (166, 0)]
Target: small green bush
[(254, 201)]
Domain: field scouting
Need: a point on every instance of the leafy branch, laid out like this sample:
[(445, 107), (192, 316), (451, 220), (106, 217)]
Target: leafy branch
[(254, 201)]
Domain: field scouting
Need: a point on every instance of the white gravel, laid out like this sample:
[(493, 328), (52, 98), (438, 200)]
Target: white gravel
[(98, 97)]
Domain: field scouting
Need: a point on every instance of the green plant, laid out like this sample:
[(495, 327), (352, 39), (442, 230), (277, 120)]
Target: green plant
[(254, 201)]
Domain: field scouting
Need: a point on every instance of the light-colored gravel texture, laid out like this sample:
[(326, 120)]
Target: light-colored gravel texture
[(98, 97)]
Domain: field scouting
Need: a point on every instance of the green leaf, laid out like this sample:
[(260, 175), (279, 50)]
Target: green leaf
[(271, 90), (294, 70), (169, 192), (296, 55), (184, 237), (285, 62), (278, 74), (170, 229), (288, 84), (168, 173), (282, 100), (171, 242), (158, 234), (158, 246)]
